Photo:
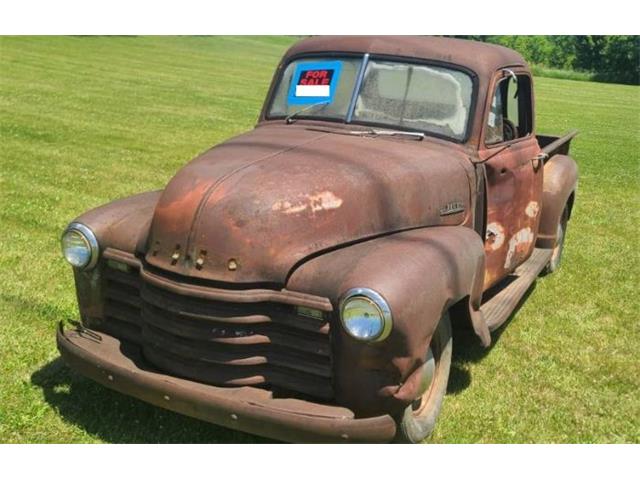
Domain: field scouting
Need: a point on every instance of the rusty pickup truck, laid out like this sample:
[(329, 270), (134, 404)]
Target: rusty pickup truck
[(300, 281)]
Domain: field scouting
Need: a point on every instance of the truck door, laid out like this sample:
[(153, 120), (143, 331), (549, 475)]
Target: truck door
[(513, 168)]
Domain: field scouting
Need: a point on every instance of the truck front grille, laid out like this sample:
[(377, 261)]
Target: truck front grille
[(123, 305), (263, 344)]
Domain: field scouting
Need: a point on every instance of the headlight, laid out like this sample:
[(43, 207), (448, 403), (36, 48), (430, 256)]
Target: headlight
[(365, 315), (80, 246)]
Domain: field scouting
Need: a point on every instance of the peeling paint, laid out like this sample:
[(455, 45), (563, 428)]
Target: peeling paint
[(518, 245), (532, 209), (495, 235), (315, 203), (287, 207)]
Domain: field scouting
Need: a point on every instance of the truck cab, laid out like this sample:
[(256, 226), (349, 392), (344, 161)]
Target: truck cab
[(300, 280)]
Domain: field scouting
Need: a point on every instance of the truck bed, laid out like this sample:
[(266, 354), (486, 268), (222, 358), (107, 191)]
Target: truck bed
[(552, 145)]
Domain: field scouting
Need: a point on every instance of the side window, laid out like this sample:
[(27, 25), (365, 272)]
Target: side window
[(510, 116)]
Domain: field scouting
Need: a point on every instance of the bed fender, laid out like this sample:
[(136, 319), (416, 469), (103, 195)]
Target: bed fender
[(559, 186), (421, 274)]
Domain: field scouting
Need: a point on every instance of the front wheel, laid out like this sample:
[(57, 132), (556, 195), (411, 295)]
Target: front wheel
[(419, 418)]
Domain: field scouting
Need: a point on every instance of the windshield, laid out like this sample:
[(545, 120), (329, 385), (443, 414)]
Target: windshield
[(406, 96)]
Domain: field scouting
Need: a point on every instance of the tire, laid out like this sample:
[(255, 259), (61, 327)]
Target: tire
[(419, 418), (556, 256)]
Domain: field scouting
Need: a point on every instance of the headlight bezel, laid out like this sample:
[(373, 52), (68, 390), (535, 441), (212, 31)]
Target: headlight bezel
[(378, 301), (91, 240)]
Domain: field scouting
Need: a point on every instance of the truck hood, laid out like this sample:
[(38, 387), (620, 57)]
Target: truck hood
[(251, 209)]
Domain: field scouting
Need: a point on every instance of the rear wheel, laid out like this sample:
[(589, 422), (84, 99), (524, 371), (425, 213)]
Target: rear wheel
[(556, 256), (419, 418)]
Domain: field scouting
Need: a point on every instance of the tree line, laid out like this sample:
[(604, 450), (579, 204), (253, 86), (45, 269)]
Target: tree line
[(608, 58)]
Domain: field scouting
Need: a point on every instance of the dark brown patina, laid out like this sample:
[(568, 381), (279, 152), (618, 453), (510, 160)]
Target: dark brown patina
[(272, 197), (219, 296)]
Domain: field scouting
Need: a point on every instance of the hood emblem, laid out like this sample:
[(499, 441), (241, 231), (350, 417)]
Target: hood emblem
[(451, 208)]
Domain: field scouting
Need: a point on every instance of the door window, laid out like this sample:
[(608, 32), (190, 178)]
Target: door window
[(510, 115)]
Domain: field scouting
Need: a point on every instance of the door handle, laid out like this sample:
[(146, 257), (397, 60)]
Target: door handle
[(538, 160)]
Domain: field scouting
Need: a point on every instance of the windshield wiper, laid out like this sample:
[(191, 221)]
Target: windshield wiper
[(291, 118), (392, 133), (372, 132)]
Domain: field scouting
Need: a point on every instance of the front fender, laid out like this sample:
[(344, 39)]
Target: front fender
[(560, 183), (122, 224), (420, 273)]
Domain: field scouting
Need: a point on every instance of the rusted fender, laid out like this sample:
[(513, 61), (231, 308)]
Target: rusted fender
[(420, 273), (560, 183), (122, 224)]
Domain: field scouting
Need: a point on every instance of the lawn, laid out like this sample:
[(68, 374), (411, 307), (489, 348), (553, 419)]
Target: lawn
[(87, 120)]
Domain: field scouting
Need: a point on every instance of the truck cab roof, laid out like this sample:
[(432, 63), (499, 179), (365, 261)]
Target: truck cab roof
[(482, 58)]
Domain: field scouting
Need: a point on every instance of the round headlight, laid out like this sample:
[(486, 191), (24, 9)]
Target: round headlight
[(365, 315), (80, 246)]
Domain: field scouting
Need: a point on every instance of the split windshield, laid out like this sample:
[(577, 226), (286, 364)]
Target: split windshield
[(406, 96)]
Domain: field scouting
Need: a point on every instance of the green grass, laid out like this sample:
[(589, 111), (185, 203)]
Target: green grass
[(542, 71), (86, 120)]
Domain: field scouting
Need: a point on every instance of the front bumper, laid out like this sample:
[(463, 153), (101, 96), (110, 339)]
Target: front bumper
[(121, 366)]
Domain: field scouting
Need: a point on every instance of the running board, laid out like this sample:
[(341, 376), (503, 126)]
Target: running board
[(508, 293)]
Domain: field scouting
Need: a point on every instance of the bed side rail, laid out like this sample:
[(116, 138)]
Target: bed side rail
[(556, 145)]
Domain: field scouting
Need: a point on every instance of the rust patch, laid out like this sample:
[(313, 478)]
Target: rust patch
[(518, 246), (532, 209), (314, 203), (495, 235)]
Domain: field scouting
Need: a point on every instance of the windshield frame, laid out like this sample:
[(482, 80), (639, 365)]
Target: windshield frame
[(366, 58)]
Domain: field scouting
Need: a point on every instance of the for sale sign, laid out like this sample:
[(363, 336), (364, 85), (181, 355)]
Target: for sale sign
[(314, 82)]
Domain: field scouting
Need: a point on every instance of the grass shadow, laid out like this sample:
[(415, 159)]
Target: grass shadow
[(115, 418), (467, 348)]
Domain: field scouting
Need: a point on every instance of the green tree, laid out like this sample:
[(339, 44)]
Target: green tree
[(621, 59), (610, 58)]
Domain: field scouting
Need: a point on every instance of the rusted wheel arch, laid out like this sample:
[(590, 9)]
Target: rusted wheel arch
[(419, 419)]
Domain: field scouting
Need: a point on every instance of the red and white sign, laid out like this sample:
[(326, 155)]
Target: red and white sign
[(314, 83)]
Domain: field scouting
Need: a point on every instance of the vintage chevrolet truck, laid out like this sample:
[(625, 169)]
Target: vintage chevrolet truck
[(300, 281)]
